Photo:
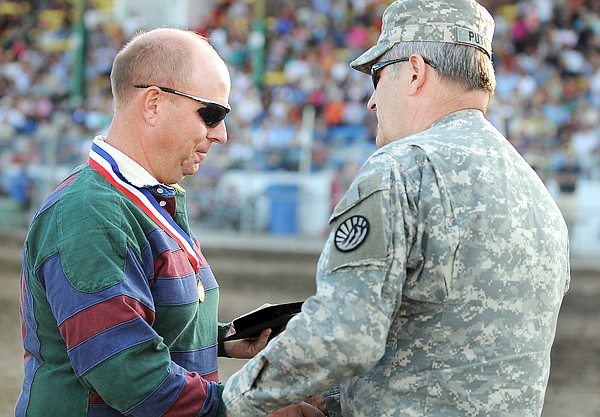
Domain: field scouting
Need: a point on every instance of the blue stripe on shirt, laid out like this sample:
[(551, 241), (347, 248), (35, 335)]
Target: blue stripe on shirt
[(164, 396), (175, 291), (108, 343), (203, 361), (135, 286)]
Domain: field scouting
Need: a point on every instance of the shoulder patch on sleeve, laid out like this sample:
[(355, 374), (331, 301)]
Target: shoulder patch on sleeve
[(360, 224), (351, 233)]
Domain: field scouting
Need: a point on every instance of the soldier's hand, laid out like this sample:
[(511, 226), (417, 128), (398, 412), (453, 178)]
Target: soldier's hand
[(318, 401), (302, 409)]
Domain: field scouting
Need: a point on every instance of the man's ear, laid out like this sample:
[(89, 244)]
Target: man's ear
[(151, 99), (419, 74)]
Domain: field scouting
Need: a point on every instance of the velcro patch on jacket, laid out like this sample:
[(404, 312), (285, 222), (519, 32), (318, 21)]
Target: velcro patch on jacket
[(360, 225)]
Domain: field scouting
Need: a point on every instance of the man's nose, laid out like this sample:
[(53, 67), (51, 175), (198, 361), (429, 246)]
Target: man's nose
[(218, 133), (371, 104)]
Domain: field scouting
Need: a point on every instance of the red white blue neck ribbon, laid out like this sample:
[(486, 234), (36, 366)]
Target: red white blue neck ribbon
[(102, 162)]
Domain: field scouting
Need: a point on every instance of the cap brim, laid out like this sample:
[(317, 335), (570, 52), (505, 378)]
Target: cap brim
[(363, 63)]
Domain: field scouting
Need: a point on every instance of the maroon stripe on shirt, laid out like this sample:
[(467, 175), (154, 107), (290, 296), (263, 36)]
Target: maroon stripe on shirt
[(99, 317), (187, 403), (172, 265), (95, 399), (66, 182)]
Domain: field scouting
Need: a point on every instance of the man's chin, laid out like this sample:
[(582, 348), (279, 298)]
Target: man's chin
[(191, 170)]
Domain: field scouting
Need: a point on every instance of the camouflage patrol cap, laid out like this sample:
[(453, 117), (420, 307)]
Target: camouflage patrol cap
[(455, 21)]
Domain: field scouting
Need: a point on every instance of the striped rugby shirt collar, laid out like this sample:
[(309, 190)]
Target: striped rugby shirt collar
[(112, 170), (133, 172)]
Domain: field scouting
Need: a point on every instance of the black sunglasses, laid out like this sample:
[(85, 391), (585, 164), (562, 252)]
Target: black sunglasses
[(213, 113), (379, 65)]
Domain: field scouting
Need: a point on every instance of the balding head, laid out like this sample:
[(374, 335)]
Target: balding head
[(159, 124), (163, 57)]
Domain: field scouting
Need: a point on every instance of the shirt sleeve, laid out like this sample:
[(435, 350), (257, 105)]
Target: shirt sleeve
[(222, 333), (342, 329)]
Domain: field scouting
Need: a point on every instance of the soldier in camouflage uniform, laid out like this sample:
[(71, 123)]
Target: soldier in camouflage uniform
[(439, 287)]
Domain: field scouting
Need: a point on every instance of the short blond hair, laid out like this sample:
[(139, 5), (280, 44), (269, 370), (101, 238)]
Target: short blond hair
[(161, 57)]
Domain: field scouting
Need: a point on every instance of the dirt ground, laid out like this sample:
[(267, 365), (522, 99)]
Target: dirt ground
[(249, 279)]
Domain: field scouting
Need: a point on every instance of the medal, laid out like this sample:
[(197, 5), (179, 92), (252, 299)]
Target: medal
[(200, 291)]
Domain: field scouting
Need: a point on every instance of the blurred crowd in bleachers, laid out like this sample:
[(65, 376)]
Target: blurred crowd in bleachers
[(547, 102)]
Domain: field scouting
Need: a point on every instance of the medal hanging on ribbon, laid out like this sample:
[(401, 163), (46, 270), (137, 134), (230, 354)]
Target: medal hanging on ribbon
[(102, 162), (200, 291)]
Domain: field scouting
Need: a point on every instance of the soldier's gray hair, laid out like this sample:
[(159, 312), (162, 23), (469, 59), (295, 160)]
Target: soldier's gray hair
[(458, 64)]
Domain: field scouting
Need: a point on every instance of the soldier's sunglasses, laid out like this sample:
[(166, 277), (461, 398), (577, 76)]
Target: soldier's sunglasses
[(379, 65), (212, 113)]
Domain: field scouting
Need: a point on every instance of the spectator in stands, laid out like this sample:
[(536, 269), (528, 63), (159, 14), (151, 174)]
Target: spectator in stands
[(439, 287), (567, 175)]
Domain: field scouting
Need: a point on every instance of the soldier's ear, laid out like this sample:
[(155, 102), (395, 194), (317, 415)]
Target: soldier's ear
[(418, 73)]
